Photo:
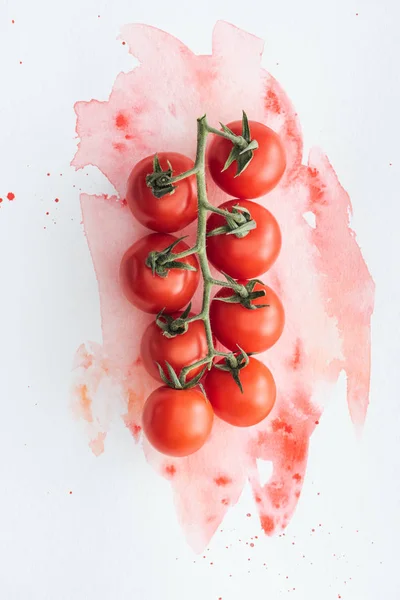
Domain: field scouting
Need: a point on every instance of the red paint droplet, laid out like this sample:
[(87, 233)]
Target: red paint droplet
[(1, 199), (170, 469), (20, 62), (248, 515), (48, 174), (70, 492), (47, 213), (258, 499), (297, 477), (251, 545), (223, 480), (123, 43), (313, 530), (56, 200), (225, 501), (12, 21), (10, 196)]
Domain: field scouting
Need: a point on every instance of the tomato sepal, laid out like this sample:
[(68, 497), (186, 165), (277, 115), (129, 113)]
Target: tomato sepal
[(160, 181), (242, 151), (172, 327), (246, 300), (238, 223), (172, 380), (160, 262), (233, 364)]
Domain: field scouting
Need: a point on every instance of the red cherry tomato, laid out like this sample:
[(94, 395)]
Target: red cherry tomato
[(152, 293), (264, 170), (254, 330), (171, 212), (237, 408), (249, 256), (177, 422), (179, 351)]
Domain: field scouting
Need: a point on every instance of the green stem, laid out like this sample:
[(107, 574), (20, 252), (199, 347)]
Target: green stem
[(184, 175), (238, 140), (200, 247)]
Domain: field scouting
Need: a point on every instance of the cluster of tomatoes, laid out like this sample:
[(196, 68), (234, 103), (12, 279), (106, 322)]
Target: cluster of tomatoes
[(245, 319)]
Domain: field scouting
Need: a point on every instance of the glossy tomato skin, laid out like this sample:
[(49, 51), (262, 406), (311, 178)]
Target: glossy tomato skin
[(252, 330), (179, 351), (252, 255), (177, 422), (264, 170), (237, 408), (171, 212), (152, 293)]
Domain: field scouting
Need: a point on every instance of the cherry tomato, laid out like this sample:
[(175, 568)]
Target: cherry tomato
[(152, 293), (170, 212), (249, 256), (179, 351), (237, 408), (177, 422), (264, 170), (254, 330)]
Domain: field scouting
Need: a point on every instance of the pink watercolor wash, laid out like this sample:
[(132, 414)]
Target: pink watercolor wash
[(320, 274)]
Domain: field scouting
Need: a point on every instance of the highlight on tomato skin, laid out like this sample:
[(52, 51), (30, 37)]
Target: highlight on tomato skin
[(264, 171), (179, 351), (249, 256), (253, 330), (173, 211), (247, 408), (177, 422), (152, 293)]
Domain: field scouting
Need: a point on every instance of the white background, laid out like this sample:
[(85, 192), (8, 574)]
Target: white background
[(116, 536)]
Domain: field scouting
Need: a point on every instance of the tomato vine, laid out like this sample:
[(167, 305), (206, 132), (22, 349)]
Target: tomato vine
[(238, 223)]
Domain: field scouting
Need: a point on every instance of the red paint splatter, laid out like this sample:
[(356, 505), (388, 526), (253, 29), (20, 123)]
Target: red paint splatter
[(10, 196), (267, 524), (12, 21), (1, 199), (170, 470), (223, 480), (70, 492), (121, 121), (320, 275), (56, 200), (119, 146)]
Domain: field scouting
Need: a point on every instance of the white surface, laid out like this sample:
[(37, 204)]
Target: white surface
[(116, 537)]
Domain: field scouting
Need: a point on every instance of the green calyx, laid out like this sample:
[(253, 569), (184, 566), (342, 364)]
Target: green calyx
[(243, 150), (161, 261), (172, 327), (171, 379), (160, 181), (244, 298), (233, 363), (238, 223)]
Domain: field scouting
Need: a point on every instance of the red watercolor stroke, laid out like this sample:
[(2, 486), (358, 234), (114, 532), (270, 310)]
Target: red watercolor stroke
[(320, 275)]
